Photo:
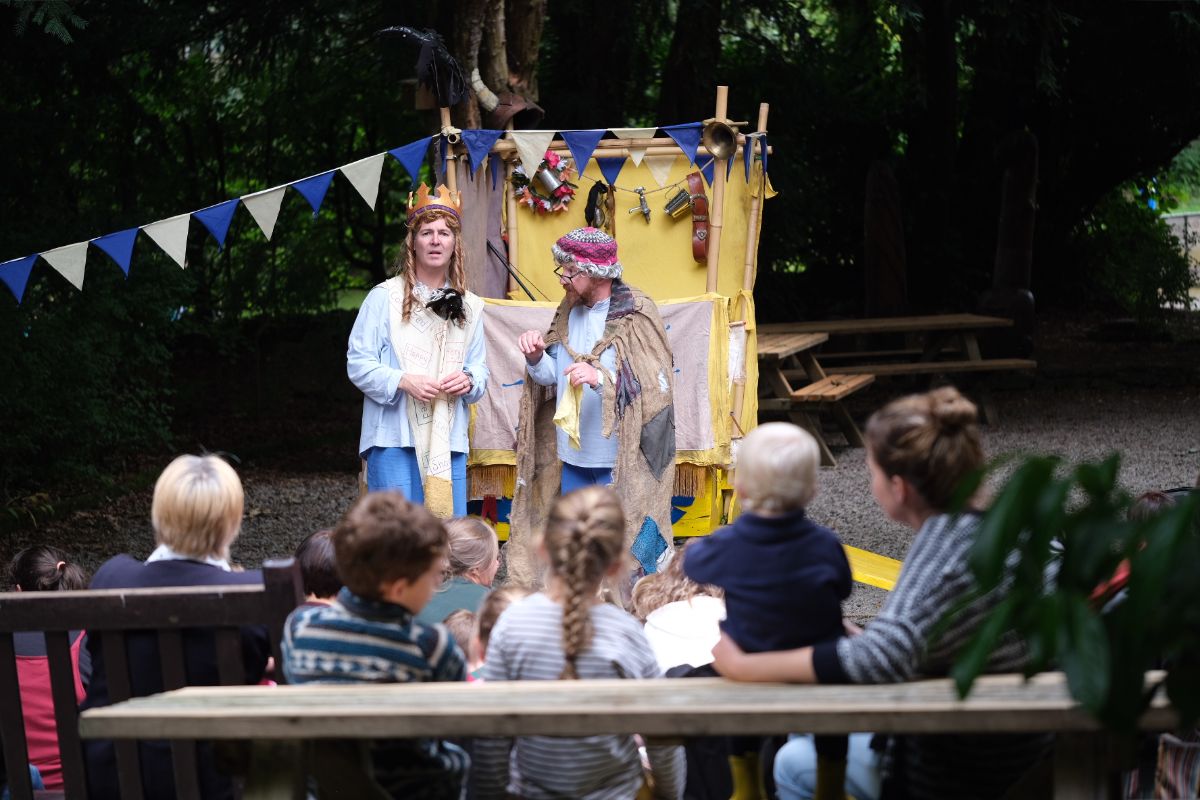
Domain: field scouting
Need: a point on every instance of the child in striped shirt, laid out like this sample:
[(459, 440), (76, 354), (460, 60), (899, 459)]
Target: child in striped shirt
[(566, 631), (390, 554)]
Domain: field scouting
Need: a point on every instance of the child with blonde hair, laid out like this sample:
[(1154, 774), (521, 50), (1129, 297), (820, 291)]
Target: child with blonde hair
[(567, 631), (681, 617)]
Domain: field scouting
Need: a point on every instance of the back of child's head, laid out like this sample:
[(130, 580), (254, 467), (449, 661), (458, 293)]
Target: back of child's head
[(473, 545), (584, 537), (318, 567), (43, 568), (777, 469), (197, 507), (461, 624), (493, 605), (931, 440), (1149, 505), (383, 538), (668, 585)]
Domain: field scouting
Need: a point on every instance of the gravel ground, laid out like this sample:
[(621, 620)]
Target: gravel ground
[(1088, 399)]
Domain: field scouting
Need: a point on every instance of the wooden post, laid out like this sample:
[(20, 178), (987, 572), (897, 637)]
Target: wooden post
[(748, 271), (717, 209), (510, 200), (451, 165)]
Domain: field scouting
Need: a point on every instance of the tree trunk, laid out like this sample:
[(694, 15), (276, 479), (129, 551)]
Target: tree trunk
[(689, 76), (523, 28), (493, 56), (464, 46)]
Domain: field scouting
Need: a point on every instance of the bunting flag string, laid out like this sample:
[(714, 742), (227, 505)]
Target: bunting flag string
[(171, 234), (707, 168), (69, 261), (119, 247)]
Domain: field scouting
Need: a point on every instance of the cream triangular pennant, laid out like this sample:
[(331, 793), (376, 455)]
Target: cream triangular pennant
[(69, 262), (531, 145), (660, 168), (364, 177), (171, 235), (264, 207), (633, 133)]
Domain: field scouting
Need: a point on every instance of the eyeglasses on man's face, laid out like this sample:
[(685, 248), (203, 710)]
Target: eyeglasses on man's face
[(560, 273)]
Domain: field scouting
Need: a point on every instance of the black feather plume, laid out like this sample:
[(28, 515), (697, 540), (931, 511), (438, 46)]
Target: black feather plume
[(436, 68)]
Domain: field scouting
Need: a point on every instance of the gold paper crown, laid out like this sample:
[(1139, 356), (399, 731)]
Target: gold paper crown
[(445, 200)]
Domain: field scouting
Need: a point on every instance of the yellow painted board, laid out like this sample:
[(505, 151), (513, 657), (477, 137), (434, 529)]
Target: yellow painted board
[(872, 568)]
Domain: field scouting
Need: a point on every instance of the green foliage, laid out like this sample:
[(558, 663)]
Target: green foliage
[(52, 15), (1135, 263), (1050, 538)]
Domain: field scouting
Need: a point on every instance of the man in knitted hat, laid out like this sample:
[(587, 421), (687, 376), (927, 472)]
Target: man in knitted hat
[(598, 407)]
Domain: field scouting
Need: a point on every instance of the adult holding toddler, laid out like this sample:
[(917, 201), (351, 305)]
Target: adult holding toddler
[(390, 554), (919, 449), (196, 514), (417, 354)]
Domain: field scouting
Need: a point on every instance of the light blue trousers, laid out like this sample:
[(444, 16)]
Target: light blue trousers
[(396, 468), (796, 768)]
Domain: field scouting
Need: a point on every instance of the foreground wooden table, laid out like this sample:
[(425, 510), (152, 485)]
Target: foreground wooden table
[(999, 703)]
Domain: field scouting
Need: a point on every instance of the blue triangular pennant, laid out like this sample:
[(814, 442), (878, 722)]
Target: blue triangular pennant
[(314, 189), (119, 247), (762, 148), (411, 155), (748, 154), (610, 168), (706, 168), (15, 275), (581, 144), (687, 136), (217, 218), (478, 143)]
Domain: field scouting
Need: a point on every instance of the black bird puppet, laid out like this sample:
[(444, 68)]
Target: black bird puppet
[(437, 70)]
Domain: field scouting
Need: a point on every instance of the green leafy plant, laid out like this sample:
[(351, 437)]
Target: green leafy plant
[(1050, 538)]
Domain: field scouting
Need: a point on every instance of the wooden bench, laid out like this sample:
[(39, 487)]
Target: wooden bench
[(114, 613), (284, 718), (823, 392)]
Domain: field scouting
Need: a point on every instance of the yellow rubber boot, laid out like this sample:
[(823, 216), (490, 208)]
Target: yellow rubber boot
[(831, 779), (747, 777)]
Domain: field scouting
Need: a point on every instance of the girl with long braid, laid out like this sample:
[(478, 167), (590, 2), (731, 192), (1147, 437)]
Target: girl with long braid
[(567, 631)]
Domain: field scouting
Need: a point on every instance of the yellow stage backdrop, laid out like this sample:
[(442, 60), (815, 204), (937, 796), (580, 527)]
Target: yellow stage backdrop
[(657, 258)]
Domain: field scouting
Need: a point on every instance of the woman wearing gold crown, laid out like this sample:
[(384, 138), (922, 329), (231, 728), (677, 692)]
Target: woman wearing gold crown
[(417, 354)]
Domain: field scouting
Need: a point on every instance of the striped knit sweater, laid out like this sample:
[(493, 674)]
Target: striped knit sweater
[(526, 644), (896, 646), (356, 640)]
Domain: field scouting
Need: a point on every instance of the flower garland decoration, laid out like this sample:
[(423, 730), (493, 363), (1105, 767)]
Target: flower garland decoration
[(550, 190)]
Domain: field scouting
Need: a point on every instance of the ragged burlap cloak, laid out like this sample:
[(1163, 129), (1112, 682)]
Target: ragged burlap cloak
[(638, 410)]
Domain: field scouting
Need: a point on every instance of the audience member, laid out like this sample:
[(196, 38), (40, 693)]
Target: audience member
[(919, 449), (196, 515), (45, 569), (681, 618), (391, 555), (567, 631), (495, 604), (318, 568), (473, 560), (461, 624)]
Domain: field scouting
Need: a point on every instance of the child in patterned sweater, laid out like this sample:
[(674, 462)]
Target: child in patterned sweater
[(390, 554)]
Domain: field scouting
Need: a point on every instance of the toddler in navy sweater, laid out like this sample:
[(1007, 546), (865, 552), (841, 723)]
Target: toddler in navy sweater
[(784, 576)]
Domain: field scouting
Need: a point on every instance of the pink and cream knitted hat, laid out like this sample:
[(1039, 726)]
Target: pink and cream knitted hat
[(589, 250)]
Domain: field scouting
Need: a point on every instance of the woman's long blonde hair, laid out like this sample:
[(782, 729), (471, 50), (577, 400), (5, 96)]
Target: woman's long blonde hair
[(405, 265), (585, 535)]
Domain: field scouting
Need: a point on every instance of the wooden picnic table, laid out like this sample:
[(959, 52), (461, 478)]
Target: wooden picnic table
[(936, 344), (776, 352), (287, 715)]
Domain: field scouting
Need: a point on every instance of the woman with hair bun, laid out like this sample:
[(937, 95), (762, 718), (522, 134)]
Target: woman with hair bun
[(919, 449)]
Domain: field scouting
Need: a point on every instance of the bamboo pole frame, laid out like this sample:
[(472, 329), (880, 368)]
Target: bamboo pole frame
[(716, 211)]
